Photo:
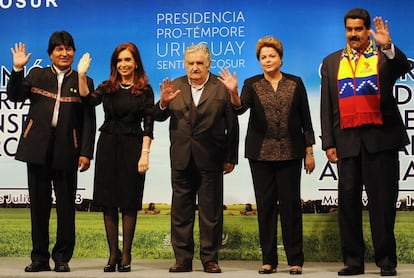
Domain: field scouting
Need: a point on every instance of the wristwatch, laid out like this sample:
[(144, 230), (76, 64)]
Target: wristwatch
[(387, 46)]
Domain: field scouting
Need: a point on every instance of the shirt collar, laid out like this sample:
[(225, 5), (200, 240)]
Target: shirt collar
[(202, 85), (58, 71)]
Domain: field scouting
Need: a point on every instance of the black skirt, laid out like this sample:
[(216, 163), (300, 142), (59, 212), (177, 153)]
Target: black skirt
[(117, 182)]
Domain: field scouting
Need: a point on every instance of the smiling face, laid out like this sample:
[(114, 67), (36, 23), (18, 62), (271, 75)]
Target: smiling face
[(270, 60), (126, 66), (357, 34), (62, 56)]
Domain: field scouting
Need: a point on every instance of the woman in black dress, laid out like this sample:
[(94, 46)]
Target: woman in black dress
[(122, 157)]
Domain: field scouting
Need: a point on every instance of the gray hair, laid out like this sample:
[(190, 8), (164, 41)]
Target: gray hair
[(199, 47)]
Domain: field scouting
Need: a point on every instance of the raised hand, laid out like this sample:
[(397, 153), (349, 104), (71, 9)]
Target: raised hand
[(166, 92), (83, 67), (20, 58), (84, 63), (230, 81), (382, 34)]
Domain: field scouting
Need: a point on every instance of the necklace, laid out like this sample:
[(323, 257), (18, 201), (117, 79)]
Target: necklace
[(126, 87)]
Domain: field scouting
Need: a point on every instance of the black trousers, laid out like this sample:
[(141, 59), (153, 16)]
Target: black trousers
[(379, 173), (41, 178), (277, 189), (189, 187)]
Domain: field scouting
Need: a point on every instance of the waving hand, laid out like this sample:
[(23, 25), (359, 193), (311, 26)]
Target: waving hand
[(20, 58)]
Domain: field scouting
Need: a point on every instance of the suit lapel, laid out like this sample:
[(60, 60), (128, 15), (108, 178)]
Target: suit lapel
[(208, 89), (186, 95)]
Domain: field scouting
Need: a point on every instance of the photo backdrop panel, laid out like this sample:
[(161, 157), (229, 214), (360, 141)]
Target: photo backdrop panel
[(162, 29)]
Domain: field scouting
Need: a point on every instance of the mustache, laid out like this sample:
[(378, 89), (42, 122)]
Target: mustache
[(354, 38)]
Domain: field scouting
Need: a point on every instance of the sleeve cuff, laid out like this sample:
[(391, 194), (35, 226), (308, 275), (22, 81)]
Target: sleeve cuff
[(389, 52), (17, 69)]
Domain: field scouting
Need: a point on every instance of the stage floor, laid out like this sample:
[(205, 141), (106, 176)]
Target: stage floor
[(84, 268)]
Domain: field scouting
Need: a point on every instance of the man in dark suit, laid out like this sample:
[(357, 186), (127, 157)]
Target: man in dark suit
[(362, 131), (58, 138), (204, 136)]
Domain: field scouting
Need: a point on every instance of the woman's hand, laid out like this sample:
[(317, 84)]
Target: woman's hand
[(231, 83), (309, 162), (83, 67), (84, 63), (143, 163)]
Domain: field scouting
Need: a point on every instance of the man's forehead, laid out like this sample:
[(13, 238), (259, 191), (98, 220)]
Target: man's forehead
[(63, 46), (354, 22), (195, 58)]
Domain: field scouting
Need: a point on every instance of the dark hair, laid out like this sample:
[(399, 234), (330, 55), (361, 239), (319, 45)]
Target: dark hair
[(140, 77), (359, 13), (60, 38)]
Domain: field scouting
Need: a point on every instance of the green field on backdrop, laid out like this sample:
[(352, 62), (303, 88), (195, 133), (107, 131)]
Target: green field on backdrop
[(240, 238)]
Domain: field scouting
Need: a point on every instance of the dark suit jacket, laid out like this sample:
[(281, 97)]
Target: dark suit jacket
[(299, 123), (210, 134), (376, 138), (75, 130)]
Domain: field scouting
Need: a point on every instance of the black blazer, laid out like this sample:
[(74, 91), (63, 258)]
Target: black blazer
[(299, 123), (210, 134), (75, 130), (376, 138)]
